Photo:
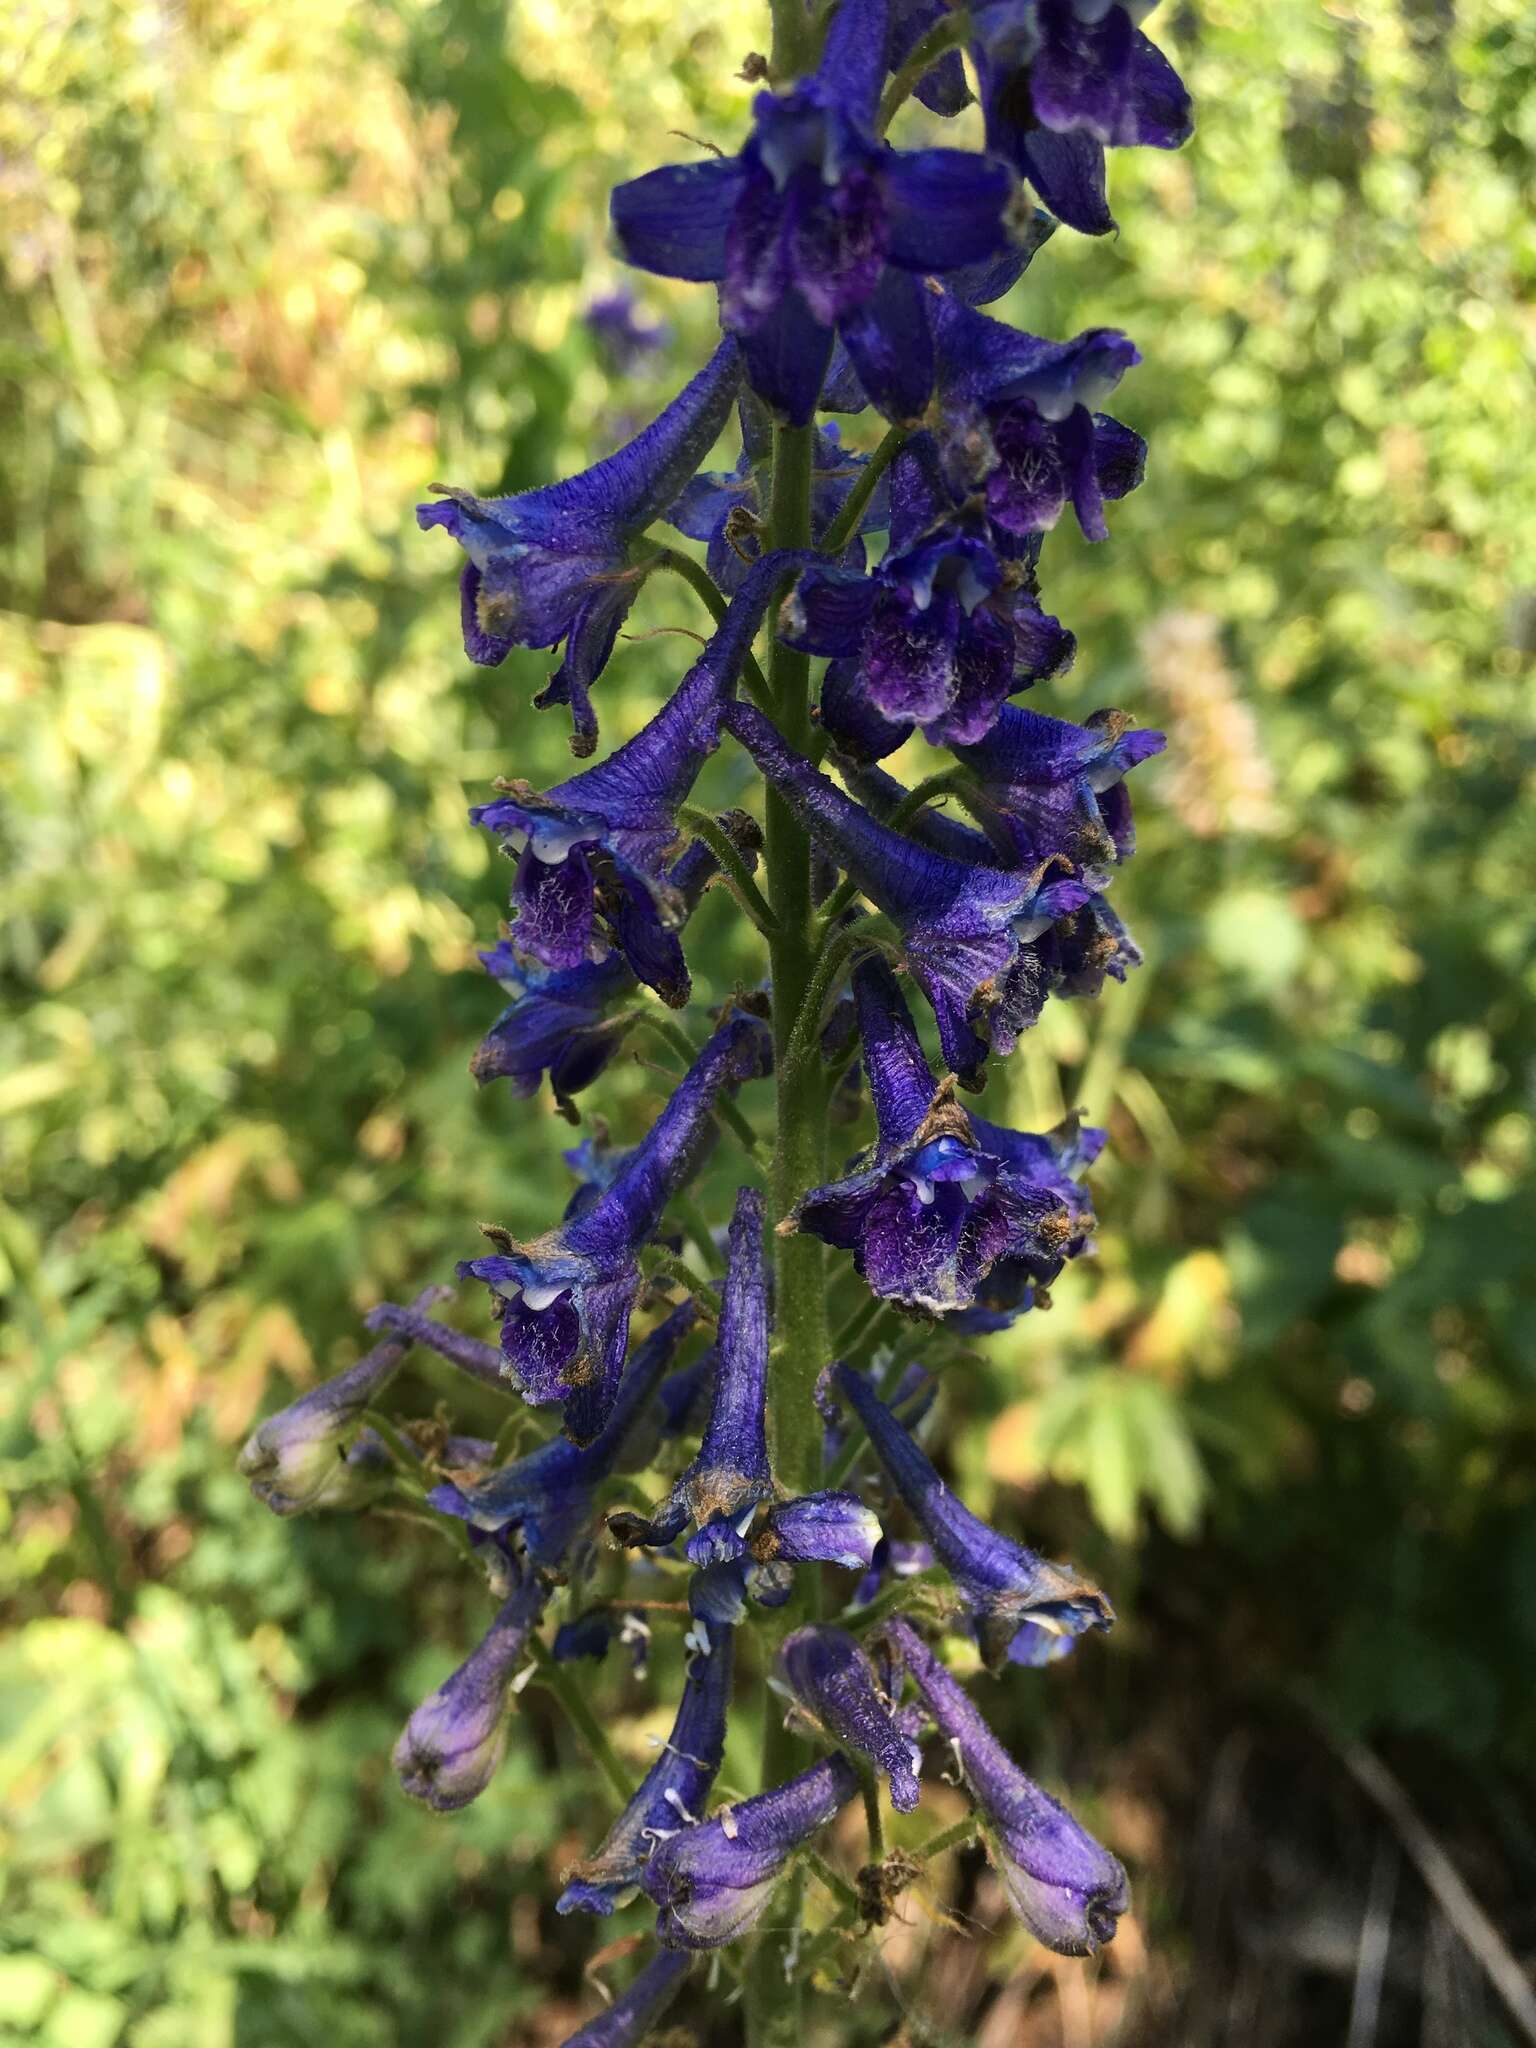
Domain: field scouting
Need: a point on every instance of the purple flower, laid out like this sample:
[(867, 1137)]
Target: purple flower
[(556, 1022), (1060, 79), (297, 1460), (1053, 1160), (453, 1743), (827, 1528), (564, 1300), (820, 228), (965, 928), (726, 509), (1004, 1587), (615, 323), (632, 2016), (1068, 1891), (672, 1793), (834, 1682), (723, 1486), (1058, 788), (946, 628), (713, 1882), (893, 1560), (1019, 423), (547, 1495), (593, 849), (552, 564), (934, 1206)]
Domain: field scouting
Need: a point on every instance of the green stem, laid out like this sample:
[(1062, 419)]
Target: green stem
[(954, 1837), (674, 1037), (557, 1681), (874, 1820), (846, 524), (944, 36), (698, 1228), (718, 841), (794, 36), (698, 578)]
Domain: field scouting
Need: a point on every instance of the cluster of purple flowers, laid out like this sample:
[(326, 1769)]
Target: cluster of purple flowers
[(850, 275)]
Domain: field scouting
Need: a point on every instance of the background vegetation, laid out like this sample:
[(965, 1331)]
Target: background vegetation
[(268, 268)]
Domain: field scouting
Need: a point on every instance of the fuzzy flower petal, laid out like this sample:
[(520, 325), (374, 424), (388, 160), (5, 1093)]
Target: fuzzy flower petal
[(713, 1882), (1068, 1891), (1046, 777), (550, 564), (835, 1683), (453, 1743)]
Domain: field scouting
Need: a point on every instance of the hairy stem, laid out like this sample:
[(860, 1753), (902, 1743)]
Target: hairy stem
[(846, 524)]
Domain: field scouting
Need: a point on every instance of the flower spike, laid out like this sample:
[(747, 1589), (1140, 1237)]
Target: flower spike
[(1006, 1588), (564, 1300), (551, 564), (714, 1882), (835, 1683), (673, 1792), (1067, 1890)]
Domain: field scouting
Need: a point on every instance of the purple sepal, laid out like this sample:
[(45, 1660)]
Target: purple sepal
[(603, 836), (1045, 776), (965, 928), (1066, 1888), (721, 1489), (452, 1744), (819, 227), (893, 1560), (835, 1683), (564, 1300), (550, 565), (1004, 1586), (825, 1528), (547, 1494), (672, 1793), (634, 2013), (933, 1207), (713, 1883)]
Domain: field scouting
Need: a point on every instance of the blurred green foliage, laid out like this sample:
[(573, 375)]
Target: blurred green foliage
[(267, 270)]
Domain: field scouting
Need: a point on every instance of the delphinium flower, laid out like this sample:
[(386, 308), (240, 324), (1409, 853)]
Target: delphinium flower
[(723, 1488), (1060, 80), (564, 1300), (591, 852), (947, 627), (553, 564), (934, 1207), (1068, 1891), (674, 1789), (834, 1682), (1023, 1606), (965, 929), (713, 1882), (707, 1457), (559, 1020), (820, 227)]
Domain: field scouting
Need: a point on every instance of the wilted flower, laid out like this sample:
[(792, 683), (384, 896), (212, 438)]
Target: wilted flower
[(1005, 1588), (452, 1744), (835, 1683), (713, 1882), (1068, 1891), (552, 564), (819, 226)]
